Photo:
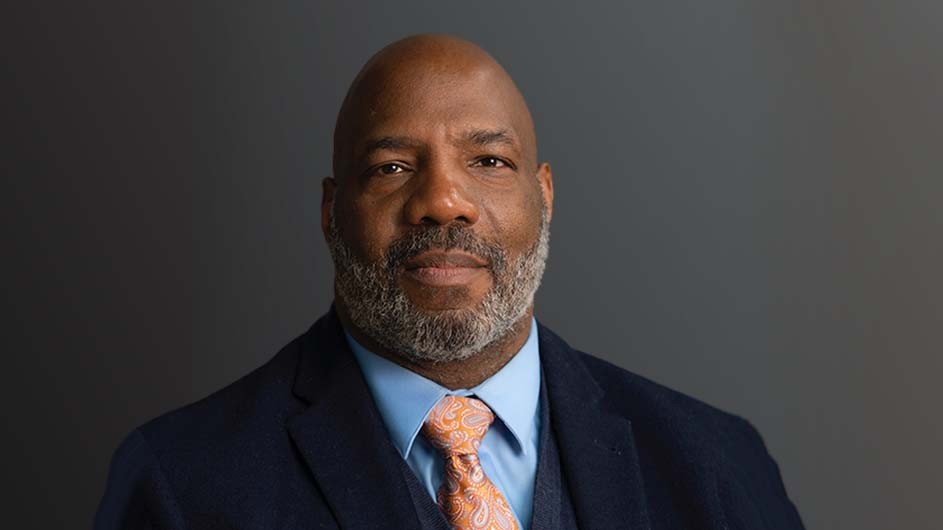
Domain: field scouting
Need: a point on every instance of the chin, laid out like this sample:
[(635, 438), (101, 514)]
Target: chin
[(444, 299), (452, 310)]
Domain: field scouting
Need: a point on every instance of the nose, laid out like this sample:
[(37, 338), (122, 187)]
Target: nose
[(440, 197)]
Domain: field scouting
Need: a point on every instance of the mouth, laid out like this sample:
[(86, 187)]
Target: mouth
[(444, 268)]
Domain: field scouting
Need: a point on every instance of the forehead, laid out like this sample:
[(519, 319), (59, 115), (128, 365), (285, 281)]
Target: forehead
[(438, 105)]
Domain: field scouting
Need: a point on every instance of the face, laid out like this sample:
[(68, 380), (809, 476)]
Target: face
[(439, 224)]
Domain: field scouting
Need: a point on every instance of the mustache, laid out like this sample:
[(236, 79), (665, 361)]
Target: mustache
[(451, 237)]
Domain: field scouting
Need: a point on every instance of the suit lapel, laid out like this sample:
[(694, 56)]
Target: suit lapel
[(597, 449), (342, 437)]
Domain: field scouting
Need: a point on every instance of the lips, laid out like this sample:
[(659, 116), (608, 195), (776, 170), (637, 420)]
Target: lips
[(445, 269), (444, 260)]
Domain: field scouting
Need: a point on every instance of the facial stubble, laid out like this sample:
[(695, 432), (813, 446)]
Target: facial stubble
[(380, 308)]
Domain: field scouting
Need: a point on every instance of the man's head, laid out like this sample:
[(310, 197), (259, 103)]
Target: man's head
[(438, 213)]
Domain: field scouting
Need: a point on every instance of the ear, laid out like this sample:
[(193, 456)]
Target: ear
[(545, 177), (328, 188)]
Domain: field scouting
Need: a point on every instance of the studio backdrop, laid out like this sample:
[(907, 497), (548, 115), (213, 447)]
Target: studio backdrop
[(748, 209)]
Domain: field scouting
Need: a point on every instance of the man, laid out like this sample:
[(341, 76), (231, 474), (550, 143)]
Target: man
[(429, 396)]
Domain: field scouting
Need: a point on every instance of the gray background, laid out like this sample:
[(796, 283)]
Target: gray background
[(748, 210)]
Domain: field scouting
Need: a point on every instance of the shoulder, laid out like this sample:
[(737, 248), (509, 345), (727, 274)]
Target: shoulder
[(682, 435), (647, 404), (673, 417), (197, 456), (244, 419), (256, 402), (643, 399), (227, 456)]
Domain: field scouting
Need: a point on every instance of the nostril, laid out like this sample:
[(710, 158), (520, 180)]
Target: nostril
[(431, 221)]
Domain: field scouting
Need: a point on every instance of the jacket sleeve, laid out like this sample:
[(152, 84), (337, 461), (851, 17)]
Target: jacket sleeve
[(753, 491), (137, 494)]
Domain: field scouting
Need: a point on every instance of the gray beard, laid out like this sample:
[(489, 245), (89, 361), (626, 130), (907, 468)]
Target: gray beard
[(378, 307)]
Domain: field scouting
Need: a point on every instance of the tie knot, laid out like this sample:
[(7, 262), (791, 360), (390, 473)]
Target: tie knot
[(456, 425)]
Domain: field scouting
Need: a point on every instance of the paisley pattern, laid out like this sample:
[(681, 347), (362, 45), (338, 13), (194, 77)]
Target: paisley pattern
[(469, 500)]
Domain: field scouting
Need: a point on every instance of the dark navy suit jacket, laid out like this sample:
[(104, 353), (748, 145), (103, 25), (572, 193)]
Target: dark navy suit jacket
[(299, 444)]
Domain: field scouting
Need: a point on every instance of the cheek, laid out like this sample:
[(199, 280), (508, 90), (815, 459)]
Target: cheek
[(515, 218), (368, 229)]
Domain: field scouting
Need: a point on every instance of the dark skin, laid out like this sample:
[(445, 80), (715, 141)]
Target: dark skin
[(434, 132)]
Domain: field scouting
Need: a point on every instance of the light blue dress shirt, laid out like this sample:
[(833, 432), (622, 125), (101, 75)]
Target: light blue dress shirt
[(509, 450)]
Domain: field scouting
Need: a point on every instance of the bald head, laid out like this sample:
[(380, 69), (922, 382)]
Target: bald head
[(427, 81), (437, 216)]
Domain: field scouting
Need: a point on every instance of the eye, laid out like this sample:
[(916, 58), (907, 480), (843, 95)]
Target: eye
[(391, 168), (491, 161)]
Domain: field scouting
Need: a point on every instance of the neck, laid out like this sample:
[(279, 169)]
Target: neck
[(453, 375)]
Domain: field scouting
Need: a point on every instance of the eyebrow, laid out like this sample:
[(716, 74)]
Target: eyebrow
[(483, 137), (479, 137), (391, 143)]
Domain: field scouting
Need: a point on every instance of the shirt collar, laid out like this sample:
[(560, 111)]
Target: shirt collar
[(404, 398)]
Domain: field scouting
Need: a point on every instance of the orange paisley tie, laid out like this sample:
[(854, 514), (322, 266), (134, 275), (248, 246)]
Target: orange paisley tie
[(467, 498)]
